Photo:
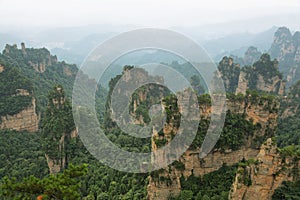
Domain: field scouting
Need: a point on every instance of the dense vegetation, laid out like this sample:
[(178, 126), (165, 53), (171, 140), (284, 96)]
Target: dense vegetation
[(11, 82), (288, 190), (99, 182), (25, 157), (288, 140), (235, 132), (214, 185), (288, 126), (20, 64), (40, 83), (60, 186), (230, 73), (57, 125), (23, 154)]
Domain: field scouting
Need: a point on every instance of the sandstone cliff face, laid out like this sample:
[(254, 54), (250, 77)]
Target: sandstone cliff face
[(286, 49), (242, 83), (193, 165), (213, 161), (273, 85), (140, 97), (263, 177), (1, 68), (56, 165), (40, 66), (27, 119), (283, 44), (255, 77), (258, 77), (297, 55)]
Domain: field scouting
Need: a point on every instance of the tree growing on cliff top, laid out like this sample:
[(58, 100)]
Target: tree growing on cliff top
[(65, 185)]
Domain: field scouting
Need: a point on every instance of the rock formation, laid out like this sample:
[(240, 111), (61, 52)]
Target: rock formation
[(256, 112), (26, 120), (263, 75), (273, 85), (58, 130), (286, 49), (261, 111), (1, 68), (39, 59), (230, 73), (18, 111), (259, 179), (283, 44)]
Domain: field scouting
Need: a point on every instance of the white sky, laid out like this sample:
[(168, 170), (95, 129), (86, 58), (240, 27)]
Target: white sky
[(159, 13)]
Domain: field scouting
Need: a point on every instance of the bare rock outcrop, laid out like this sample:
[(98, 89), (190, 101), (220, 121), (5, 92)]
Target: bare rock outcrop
[(27, 119), (259, 180), (242, 83), (262, 76), (272, 85), (1, 68), (286, 49)]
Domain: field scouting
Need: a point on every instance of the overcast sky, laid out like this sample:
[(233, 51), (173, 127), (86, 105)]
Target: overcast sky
[(157, 13)]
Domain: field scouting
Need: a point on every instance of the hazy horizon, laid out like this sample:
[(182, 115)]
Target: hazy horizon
[(48, 14), (77, 26)]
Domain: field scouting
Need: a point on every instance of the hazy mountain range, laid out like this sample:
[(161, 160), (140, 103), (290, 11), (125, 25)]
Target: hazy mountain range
[(72, 44)]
